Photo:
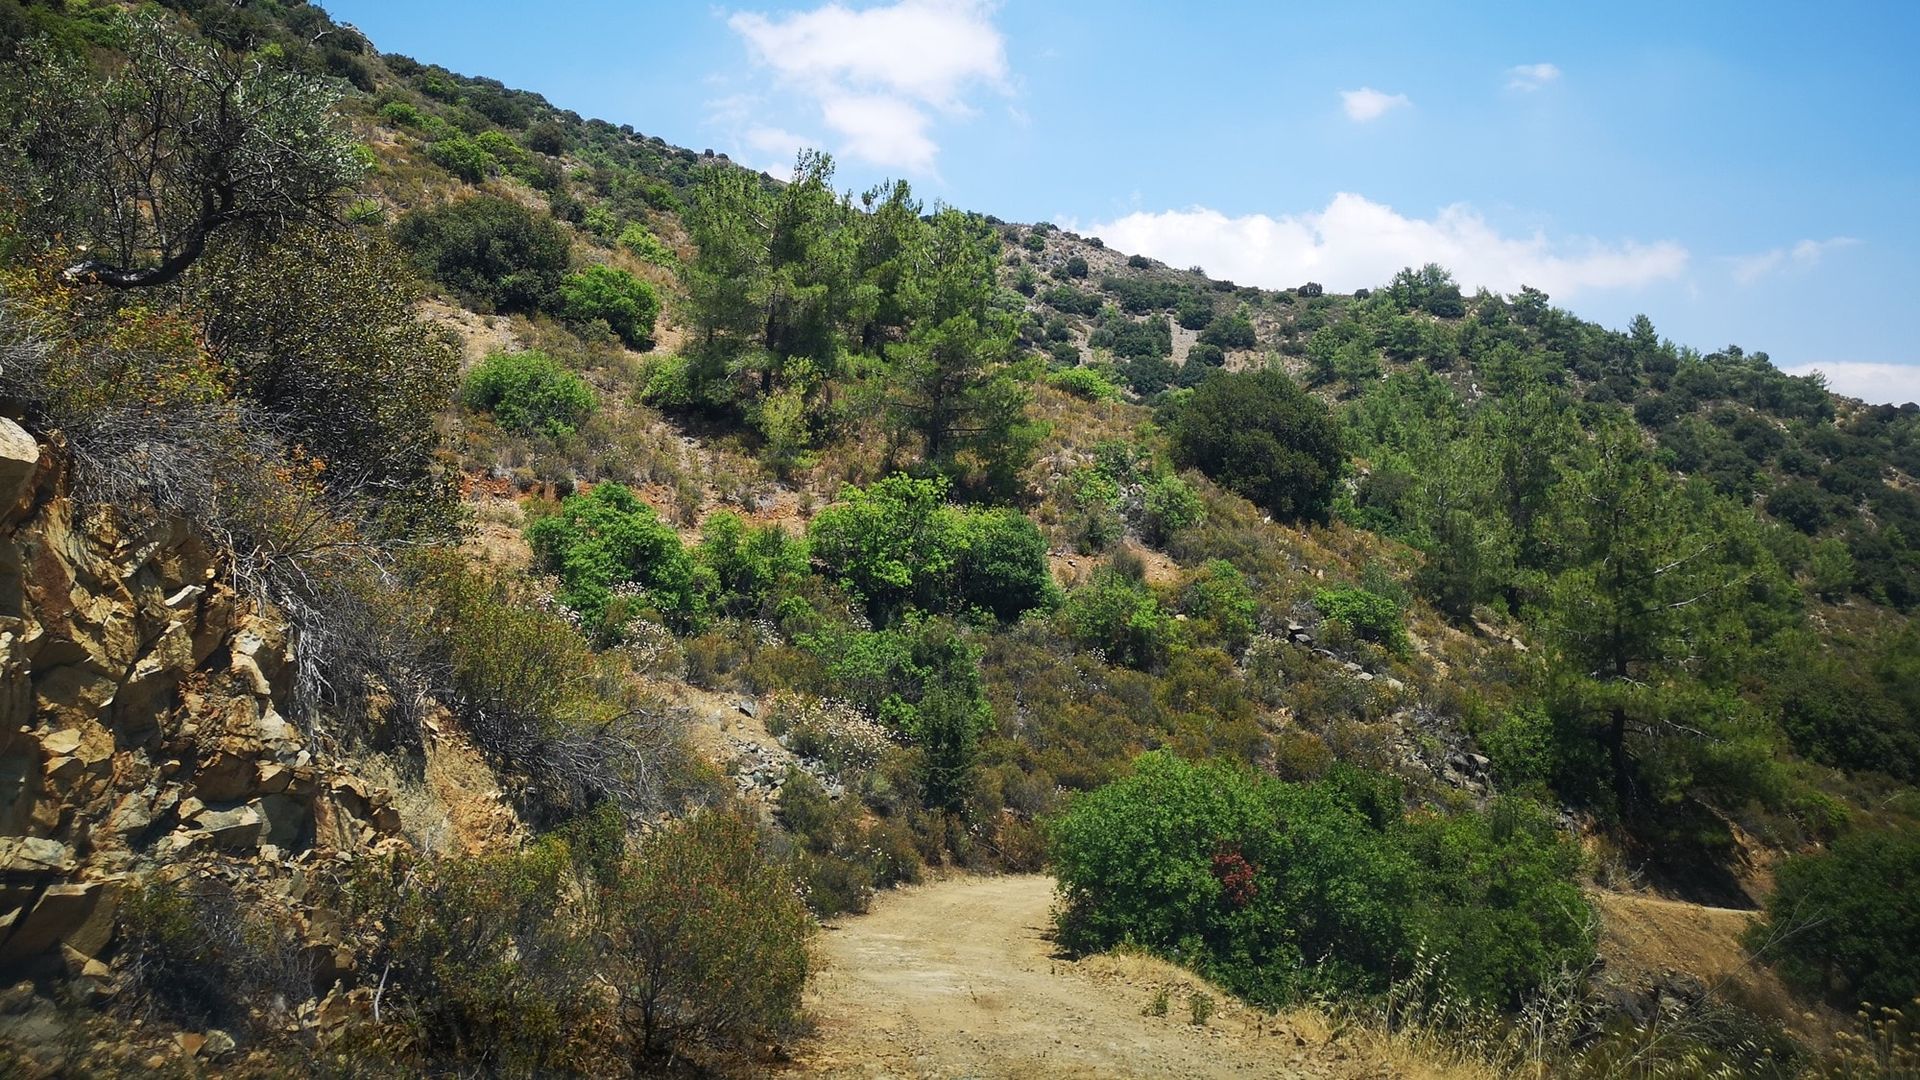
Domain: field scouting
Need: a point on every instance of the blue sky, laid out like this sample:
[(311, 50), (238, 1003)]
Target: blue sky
[(1742, 173)]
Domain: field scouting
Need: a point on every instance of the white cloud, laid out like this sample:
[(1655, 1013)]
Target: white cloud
[(1748, 269), (879, 74), (1872, 383), (883, 130), (1367, 104), (1530, 77), (1356, 243), (775, 149)]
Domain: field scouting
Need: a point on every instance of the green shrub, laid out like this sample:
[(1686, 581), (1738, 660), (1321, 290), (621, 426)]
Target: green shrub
[(1194, 312), (1263, 437), (538, 701), (1845, 924), (527, 392), (319, 328), (1083, 382), (463, 157), (492, 249), (1071, 300), (198, 954), (1119, 615), (403, 114), (1368, 614), (896, 545), (711, 936), (1220, 606), (506, 153), (1229, 332), (748, 564), (1205, 355), (639, 240), (616, 559), (1003, 569), (1280, 890), (1076, 267), (923, 681), (1170, 504), (478, 965), (625, 303)]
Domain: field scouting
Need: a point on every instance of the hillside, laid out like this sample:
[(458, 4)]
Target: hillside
[(484, 587)]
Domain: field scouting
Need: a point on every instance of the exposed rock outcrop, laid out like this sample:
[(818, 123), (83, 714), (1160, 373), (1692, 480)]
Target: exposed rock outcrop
[(142, 720)]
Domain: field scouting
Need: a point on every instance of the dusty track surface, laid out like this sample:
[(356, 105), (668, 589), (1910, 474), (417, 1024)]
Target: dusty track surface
[(959, 979)]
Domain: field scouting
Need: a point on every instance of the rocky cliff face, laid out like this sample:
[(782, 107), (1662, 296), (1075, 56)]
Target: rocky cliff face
[(143, 723)]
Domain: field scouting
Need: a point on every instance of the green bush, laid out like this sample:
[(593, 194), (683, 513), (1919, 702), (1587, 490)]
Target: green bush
[(1119, 615), (1003, 569), (1229, 332), (616, 559), (896, 545), (531, 693), (492, 249), (1204, 355), (1845, 924), (1170, 504), (1084, 382), (639, 240), (463, 157), (1220, 606), (478, 965), (1194, 311), (198, 954), (1260, 435), (1282, 890), (625, 303), (1076, 267), (528, 393), (1071, 300), (711, 936), (1368, 614), (923, 681), (748, 564), (403, 114)]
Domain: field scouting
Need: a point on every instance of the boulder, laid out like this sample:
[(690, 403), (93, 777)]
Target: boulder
[(19, 459), (79, 914)]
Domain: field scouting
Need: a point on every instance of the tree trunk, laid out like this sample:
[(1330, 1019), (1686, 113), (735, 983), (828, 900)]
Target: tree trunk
[(1616, 740)]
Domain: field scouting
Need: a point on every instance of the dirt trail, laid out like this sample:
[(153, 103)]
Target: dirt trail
[(958, 978)]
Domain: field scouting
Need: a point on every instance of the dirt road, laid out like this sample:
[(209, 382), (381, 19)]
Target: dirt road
[(957, 978)]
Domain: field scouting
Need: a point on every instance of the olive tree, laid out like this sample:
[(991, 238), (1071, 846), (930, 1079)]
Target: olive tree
[(179, 141)]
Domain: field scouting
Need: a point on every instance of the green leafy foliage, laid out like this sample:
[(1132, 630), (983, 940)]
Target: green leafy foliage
[(749, 565), (528, 392), (897, 545), (711, 935), (492, 249), (1844, 924), (1367, 614), (184, 143), (1282, 890), (1084, 382), (1260, 435), (625, 303), (921, 679), (1119, 615), (616, 560), (1229, 332), (322, 334)]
